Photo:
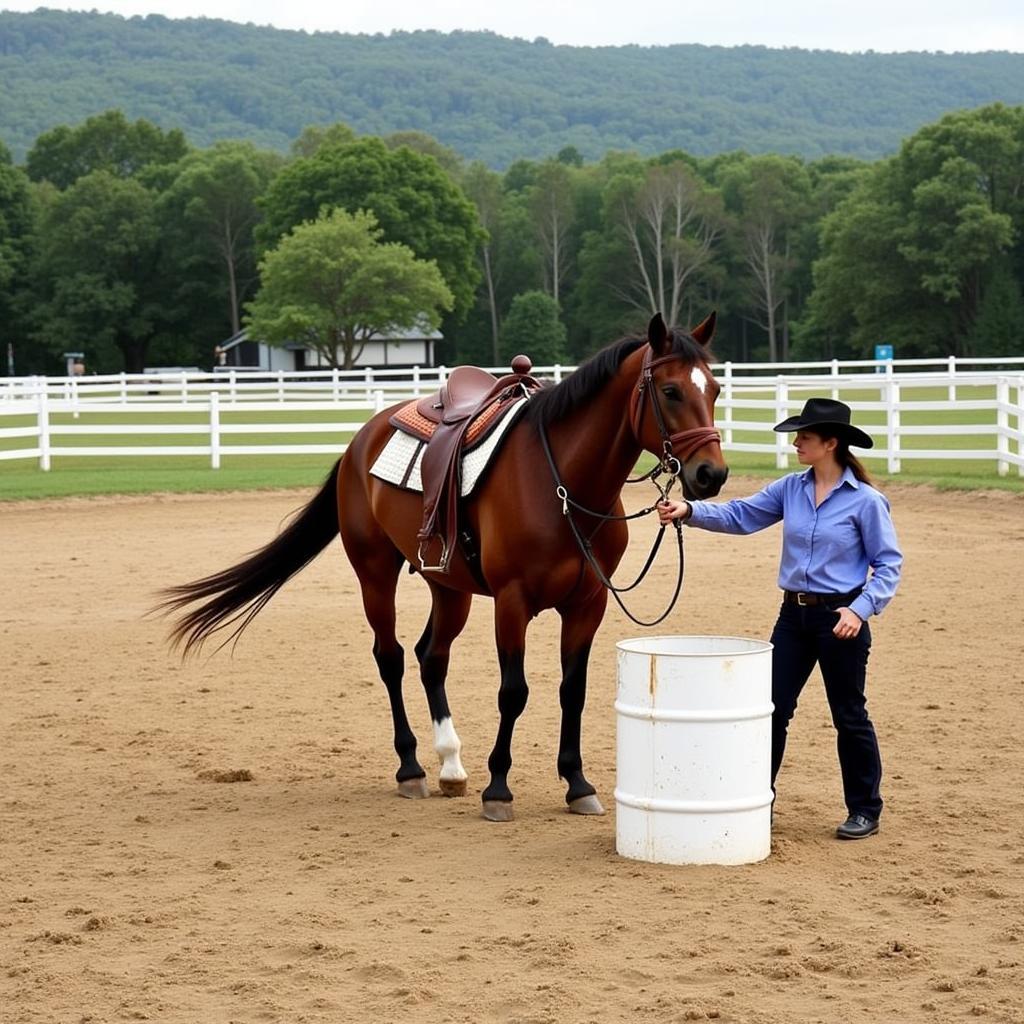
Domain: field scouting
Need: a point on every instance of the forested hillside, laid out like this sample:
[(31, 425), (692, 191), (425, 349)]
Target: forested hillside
[(490, 98)]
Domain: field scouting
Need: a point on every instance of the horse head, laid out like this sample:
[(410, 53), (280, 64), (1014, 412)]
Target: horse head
[(673, 410)]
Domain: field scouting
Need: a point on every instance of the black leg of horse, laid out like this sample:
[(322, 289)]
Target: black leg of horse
[(378, 575), (578, 627), (511, 618), (447, 619)]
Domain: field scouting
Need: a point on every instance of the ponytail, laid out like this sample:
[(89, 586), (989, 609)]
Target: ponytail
[(848, 460)]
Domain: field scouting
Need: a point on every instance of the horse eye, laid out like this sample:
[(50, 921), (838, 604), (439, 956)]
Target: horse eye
[(673, 393)]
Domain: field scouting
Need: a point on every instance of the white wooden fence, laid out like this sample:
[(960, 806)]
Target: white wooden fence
[(752, 399)]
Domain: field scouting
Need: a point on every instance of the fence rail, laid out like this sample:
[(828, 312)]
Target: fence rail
[(47, 411)]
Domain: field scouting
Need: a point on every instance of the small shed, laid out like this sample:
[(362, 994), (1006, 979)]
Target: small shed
[(408, 348)]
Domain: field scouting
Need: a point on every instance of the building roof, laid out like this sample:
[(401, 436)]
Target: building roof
[(409, 334)]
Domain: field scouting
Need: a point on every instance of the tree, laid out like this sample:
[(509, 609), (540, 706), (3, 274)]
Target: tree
[(17, 223), (533, 327), (671, 225), (333, 284), (551, 206), (770, 198), (421, 142), (908, 256), (413, 200), (315, 136), (484, 188), (211, 210), (98, 266), (106, 142)]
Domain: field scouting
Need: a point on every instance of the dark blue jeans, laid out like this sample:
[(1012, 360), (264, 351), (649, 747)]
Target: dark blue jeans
[(803, 638)]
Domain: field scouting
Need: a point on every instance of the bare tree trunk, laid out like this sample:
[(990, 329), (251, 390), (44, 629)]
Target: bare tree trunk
[(493, 303)]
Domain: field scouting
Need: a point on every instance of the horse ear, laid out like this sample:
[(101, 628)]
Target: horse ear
[(705, 330), (657, 335)]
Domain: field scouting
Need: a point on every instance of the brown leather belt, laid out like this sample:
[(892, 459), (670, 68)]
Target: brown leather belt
[(814, 600)]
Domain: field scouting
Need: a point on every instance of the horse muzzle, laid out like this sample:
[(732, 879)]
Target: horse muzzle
[(704, 479)]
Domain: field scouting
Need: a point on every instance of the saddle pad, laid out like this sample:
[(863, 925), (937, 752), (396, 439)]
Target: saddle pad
[(409, 420), (399, 461)]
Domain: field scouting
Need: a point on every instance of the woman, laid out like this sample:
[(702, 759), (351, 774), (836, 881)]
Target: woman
[(835, 526)]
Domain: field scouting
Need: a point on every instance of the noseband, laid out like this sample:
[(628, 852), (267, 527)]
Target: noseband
[(677, 447)]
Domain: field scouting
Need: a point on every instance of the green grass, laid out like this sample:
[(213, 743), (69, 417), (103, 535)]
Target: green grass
[(96, 475)]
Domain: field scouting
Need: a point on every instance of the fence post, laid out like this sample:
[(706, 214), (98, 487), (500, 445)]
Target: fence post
[(951, 363), (416, 379), (184, 388), (214, 430), (335, 385), (74, 398), (781, 412), (892, 425), (43, 421), (442, 374), (1002, 426), (727, 398), (557, 373), (835, 374), (1020, 426), (378, 401), (280, 385), (124, 388)]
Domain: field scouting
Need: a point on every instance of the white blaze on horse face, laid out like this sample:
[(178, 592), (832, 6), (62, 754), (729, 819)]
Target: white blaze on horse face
[(448, 746), (699, 378)]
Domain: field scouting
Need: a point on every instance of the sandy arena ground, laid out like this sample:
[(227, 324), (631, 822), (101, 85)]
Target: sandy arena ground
[(133, 887)]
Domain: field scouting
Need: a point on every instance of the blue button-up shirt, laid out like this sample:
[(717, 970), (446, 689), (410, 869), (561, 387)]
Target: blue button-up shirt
[(826, 549)]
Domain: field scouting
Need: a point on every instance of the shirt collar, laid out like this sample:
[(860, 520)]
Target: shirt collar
[(846, 478)]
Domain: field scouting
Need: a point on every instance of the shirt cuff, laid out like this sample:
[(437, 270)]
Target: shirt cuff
[(862, 606), (693, 519)]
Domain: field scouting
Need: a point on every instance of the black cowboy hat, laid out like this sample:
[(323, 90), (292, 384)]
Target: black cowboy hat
[(826, 412)]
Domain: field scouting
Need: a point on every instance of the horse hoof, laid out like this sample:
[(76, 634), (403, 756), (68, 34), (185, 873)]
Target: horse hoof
[(498, 810), (586, 805), (414, 789), (453, 787)]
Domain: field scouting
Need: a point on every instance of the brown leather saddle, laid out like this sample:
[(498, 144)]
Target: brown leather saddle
[(470, 398)]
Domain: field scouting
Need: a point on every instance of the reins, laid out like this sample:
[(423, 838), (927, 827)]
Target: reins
[(670, 465)]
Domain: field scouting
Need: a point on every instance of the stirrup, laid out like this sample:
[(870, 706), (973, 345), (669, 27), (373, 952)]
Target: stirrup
[(442, 566)]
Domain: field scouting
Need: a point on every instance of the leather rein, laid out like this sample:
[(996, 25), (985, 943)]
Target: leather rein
[(686, 442)]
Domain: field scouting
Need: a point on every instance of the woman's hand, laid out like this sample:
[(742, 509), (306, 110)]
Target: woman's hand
[(848, 625), (669, 510)]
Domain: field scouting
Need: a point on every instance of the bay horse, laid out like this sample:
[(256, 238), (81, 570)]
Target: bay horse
[(653, 393)]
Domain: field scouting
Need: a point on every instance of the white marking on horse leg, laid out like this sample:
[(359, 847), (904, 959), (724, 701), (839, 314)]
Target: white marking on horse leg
[(699, 379), (448, 746)]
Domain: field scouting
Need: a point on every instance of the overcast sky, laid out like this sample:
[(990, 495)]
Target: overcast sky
[(850, 25)]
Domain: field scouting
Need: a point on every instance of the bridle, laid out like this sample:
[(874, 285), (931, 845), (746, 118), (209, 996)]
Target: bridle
[(685, 442), (670, 465)]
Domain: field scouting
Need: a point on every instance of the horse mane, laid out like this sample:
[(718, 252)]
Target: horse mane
[(553, 403)]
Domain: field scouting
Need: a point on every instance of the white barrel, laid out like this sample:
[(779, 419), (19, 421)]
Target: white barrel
[(693, 782)]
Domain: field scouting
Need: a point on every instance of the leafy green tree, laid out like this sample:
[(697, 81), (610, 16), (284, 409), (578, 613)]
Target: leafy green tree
[(907, 256), (17, 223), (315, 136), (106, 142), (414, 202), (98, 262), (534, 328), (210, 210), (333, 284), (421, 142), (999, 327)]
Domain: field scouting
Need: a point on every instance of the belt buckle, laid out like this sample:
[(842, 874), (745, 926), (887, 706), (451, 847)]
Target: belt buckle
[(800, 599)]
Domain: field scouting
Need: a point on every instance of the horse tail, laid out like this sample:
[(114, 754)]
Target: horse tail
[(233, 597)]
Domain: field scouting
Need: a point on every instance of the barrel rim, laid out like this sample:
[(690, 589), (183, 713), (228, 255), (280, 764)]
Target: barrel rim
[(758, 646)]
